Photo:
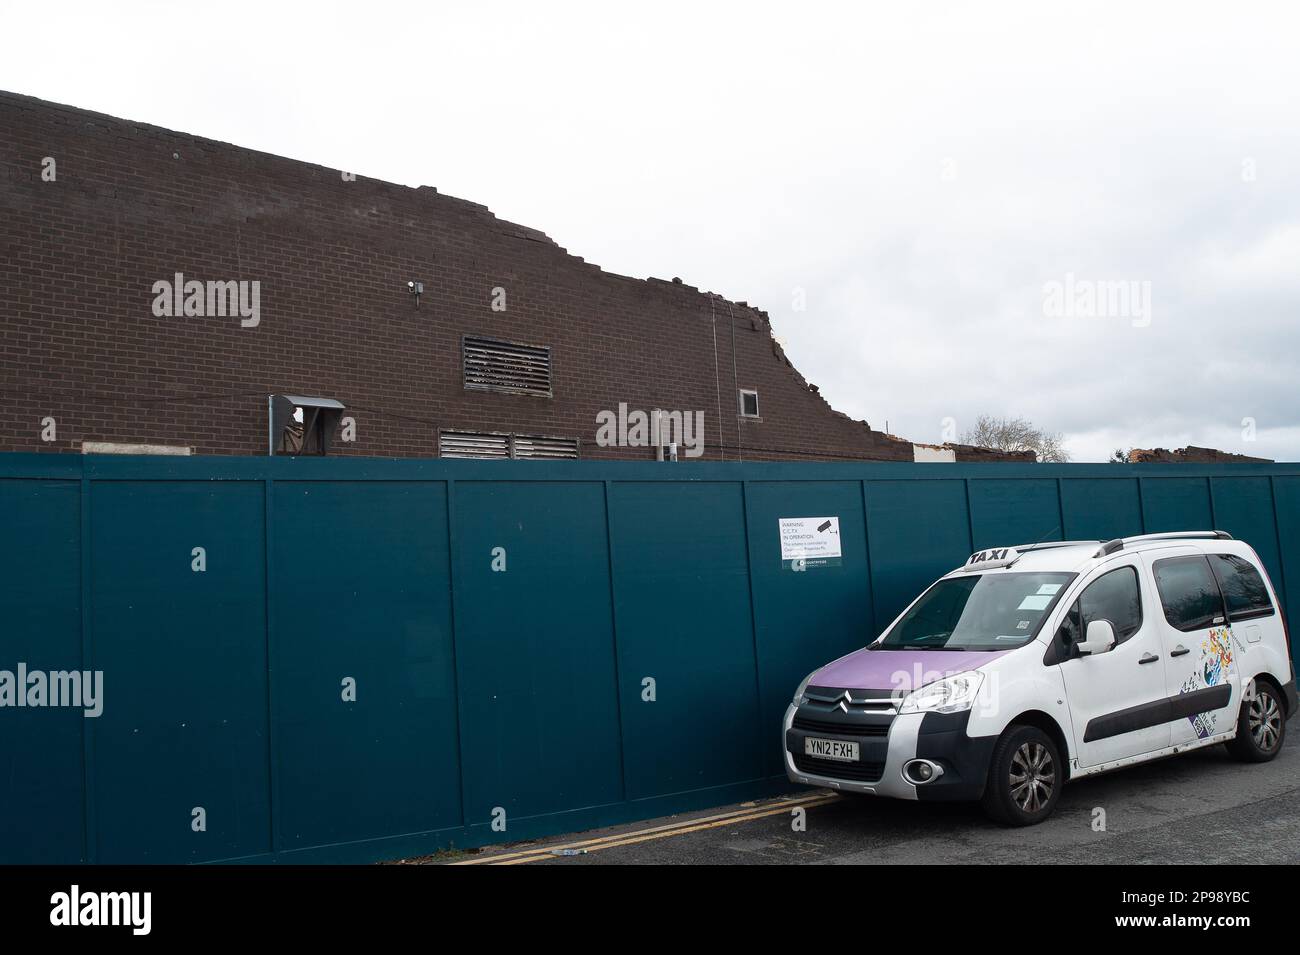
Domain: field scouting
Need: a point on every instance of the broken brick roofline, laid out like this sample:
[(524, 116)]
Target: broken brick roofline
[(95, 212), (1191, 455)]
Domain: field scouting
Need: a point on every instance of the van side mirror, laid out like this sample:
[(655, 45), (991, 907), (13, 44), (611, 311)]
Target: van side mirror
[(1101, 637)]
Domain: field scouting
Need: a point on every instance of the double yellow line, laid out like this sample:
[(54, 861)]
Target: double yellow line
[(539, 853)]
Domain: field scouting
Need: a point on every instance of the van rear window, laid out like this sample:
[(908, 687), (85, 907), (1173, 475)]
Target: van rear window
[(1243, 587)]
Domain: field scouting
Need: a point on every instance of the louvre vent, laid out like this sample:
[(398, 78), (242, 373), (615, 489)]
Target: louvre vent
[(471, 444), (510, 367), (490, 444), (531, 446)]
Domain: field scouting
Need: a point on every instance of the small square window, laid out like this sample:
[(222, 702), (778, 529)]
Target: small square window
[(302, 425), (748, 404)]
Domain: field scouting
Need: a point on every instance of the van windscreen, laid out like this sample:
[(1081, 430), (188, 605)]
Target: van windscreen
[(978, 612)]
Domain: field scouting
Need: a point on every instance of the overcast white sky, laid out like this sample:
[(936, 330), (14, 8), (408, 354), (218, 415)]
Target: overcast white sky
[(919, 171)]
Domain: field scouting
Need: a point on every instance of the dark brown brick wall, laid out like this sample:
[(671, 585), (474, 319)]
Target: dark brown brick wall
[(133, 204)]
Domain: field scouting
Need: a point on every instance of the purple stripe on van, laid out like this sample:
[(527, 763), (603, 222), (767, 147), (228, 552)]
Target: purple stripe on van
[(903, 670)]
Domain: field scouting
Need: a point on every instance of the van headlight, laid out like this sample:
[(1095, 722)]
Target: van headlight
[(952, 694), (798, 694)]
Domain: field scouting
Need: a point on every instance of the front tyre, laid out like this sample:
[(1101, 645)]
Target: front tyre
[(1261, 726), (1025, 777)]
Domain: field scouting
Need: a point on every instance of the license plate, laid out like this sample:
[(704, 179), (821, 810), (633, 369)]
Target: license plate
[(830, 749)]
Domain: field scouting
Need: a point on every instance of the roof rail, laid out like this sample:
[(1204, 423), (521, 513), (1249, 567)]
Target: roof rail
[(1045, 545), (1118, 544)]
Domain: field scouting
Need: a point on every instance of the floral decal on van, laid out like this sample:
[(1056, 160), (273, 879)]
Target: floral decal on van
[(1216, 658), (1216, 655)]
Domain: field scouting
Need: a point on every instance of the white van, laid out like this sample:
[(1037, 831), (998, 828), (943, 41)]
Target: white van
[(1030, 666)]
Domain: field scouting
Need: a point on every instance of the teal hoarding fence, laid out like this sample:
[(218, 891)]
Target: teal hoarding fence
[(352, 660)]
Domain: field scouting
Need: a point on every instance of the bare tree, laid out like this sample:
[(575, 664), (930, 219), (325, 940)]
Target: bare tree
[(1119, 456), (1016, 434)]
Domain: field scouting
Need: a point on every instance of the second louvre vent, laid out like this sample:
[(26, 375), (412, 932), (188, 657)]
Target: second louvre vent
[(545, 448), (510, 367), (488, 444)]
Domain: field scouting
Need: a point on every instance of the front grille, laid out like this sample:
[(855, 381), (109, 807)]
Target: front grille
[(833, 768), (852, 701), (840, 729)]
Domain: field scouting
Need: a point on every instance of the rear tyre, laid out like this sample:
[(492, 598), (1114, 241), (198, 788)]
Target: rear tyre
[(1261, 725), (1025, 777)]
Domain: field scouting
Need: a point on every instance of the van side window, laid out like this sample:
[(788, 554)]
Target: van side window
[(1243, 588), (1114, 596), (1188, 592)]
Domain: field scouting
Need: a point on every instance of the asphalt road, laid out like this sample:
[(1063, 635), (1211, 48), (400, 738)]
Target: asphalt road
[(1196, 808)]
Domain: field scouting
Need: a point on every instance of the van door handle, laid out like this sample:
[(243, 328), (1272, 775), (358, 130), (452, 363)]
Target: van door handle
[(1178, 651), (1148, 658)]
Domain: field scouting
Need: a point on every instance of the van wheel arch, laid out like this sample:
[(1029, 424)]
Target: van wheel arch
[(1048, 724), (1272, 681), (1263, 742)]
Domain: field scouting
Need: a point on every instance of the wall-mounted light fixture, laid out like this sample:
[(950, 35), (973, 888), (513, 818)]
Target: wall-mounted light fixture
[(416, 289)]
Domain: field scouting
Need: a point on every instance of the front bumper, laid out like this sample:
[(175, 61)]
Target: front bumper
[(898, 748), (938, 737)]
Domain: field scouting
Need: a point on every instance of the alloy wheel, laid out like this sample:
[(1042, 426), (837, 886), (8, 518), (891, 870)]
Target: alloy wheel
[(1033, 776), (1265, 718)]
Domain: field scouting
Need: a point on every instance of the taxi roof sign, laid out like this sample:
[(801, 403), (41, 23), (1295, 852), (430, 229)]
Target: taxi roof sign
[(992, 557)]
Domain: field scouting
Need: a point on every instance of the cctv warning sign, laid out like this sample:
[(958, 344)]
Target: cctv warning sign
[(809, 542)]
